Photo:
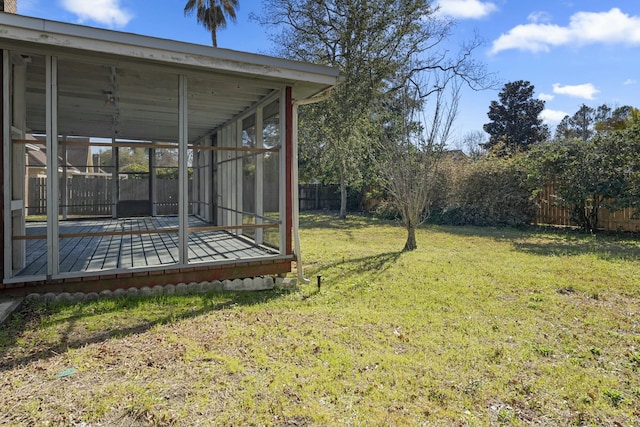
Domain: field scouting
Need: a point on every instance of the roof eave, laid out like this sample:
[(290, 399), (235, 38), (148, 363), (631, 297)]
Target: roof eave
[(70, 36)]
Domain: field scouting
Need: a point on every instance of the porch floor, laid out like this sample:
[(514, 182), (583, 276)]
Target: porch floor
[(95, 253)]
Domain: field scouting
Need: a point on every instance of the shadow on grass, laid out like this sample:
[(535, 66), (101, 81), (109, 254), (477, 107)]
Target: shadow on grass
[(536, 240), (32, 315), (348, 268), (329, 220), (545, 241), (605, 250)]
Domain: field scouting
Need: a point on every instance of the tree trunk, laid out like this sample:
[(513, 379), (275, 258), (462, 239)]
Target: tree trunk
[(343, 197), (411, 239)]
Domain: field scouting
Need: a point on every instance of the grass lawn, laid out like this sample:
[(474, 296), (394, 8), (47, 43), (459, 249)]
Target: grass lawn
[(479, 326)]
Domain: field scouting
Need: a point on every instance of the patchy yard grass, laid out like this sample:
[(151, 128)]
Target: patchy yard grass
[(479, 326)]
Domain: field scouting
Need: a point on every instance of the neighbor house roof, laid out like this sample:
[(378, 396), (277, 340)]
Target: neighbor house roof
[(38, 159)]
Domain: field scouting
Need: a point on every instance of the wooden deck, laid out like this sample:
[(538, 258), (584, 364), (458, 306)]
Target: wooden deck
[(120, 251)]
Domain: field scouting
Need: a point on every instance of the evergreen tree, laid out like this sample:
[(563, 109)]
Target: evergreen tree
[(515, 123)]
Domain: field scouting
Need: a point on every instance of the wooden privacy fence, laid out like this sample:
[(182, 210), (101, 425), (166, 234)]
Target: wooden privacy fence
[(92, 195), (316, 196), (551, 213)]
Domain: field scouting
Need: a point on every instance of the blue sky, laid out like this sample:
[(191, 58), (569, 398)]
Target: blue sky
[(573, 52)]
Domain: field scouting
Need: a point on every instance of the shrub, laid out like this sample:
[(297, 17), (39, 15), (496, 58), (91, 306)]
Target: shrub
[(492, 191)]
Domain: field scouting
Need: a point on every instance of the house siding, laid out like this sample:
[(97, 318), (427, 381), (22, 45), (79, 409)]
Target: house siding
[(9, 6)]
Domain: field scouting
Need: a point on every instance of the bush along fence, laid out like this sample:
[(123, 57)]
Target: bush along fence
[(551, 212), (468, 206)]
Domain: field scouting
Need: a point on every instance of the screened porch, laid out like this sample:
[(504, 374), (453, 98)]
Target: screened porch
[(126, 155)]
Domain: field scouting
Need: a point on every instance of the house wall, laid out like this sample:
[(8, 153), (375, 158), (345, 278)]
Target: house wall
[(2, 139), (9, 6)]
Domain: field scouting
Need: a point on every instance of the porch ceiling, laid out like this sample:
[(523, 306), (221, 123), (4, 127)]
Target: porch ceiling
[(137, 102), (141, 75)]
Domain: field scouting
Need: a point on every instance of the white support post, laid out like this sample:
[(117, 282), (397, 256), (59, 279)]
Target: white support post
[(259, 176), (115, 183), (6, 166), (283, 174), (153, 181), (18, 161), (53, 242), (63, 189), (197, 182), (183, 174)]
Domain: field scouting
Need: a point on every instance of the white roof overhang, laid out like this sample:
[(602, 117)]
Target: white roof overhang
[(222, 83)]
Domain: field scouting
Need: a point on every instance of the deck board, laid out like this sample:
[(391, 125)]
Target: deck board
[(95, 253)]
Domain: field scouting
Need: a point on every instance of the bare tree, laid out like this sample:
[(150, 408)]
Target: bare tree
[(471, 144), (370, 42), (411, 147)]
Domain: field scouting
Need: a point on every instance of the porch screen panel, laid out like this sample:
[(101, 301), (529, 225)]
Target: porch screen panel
[(202, 234), (28, 165), (249, 160), (271, 133), (118, 128), (165, 172)]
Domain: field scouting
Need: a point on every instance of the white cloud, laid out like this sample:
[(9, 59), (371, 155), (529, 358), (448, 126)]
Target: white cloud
[(552, 116), (629, 82), (107, 12), (539, 17), (466, 9), (584, 28), (546, 97), (586, 91)]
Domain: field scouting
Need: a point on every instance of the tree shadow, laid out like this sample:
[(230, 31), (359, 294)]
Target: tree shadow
[(605, 250), (545, 241), (33, 314), (330, 220), (497, 233), (373, 264)]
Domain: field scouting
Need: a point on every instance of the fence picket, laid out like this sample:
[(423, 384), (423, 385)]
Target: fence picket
[(551, 213)]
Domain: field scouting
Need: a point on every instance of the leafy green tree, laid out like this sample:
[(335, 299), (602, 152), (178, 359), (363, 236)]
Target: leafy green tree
[(126, 157), (515, 120), (372, 43), (212, 14), (588, 121), (620, 118), (583, 121), (564, 129), (581, 124)]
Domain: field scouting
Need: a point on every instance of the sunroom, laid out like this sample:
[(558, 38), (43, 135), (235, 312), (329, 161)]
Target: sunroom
[(134, 161)]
